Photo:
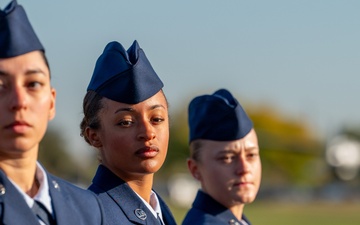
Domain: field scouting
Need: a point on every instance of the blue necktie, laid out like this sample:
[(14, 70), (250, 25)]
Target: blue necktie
[(42, 213), (159, 220)]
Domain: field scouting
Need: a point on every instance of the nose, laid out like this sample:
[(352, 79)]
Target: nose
[(146, 132), (242, 165), (17, 98)]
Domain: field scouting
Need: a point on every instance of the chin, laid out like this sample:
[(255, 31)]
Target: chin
[(152, 166), (249, 200), (245, 199)]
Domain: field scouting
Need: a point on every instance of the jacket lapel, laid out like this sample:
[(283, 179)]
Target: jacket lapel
[(207, 204), (124, 197), (61, 202), (12, 204)]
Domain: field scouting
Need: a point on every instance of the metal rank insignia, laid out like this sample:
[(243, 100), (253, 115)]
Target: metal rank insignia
[(139, 213), (233, 222)]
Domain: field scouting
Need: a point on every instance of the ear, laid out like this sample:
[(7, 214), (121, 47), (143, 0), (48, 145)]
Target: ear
[(52, 104), (194, 168), (93, 137)]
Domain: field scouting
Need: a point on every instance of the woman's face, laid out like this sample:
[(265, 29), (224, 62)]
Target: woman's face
[(132, 139), (229, 171), (27, 102)]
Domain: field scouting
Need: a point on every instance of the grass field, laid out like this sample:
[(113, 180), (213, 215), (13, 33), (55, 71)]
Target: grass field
[(277, 213)]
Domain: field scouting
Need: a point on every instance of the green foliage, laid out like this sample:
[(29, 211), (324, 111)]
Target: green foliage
[(178, 150), (303, 213), (54, 157), (290, 151), (352, 132), (285, 213)]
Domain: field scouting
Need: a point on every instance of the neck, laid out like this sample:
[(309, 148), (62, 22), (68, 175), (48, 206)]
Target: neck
[(237, 210), (21, 171), (139, 182), (143, 186)]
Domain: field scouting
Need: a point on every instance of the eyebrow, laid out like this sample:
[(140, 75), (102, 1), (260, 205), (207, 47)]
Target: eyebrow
[(124, 110), (129, 109), (251, 147), (28, 72), (34, 71), (246, 149), (157, 106)]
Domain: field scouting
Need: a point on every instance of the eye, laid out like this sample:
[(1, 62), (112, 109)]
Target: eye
[(35, 85), (227, 159), (157, 120), (2, 85), (125, 123), (252, 155)]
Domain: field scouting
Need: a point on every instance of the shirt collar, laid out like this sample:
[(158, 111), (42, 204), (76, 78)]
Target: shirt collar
[(43, 194), (154, 205)]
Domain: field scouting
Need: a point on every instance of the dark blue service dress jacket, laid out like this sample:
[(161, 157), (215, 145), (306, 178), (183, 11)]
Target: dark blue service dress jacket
[(206, 211), (122, 205), (71, 205)]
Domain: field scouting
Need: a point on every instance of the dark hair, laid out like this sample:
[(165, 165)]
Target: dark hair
[(194, 149), (45, 59), (91, 106)]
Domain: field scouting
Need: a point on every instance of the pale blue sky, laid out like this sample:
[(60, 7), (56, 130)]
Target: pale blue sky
[(300, 56)]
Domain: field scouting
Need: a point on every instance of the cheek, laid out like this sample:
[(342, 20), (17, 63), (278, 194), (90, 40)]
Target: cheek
[(165, 141), (212, 174), (115, 149), (42, 106), (112, 138), (116, 141), (256, 168), (222, 175), (163, 138), (164, 131), (259, 172)]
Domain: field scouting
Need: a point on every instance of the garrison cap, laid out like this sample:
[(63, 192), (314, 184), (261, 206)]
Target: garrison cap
[(124, 76), (17, 36), (217, 117)]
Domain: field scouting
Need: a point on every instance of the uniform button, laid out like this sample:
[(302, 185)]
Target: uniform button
[(2, 189)]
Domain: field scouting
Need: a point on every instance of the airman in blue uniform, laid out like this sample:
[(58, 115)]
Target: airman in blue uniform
[(224, 158), (126, 119), (28, 193)]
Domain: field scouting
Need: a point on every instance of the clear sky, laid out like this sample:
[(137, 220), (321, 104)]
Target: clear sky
[(302, 57)]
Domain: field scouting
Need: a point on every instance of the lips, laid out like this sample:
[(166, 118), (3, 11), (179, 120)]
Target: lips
[(18, 126), (242, 183), (147, 152)]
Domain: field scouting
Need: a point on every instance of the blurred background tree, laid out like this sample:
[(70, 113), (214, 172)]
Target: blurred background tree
[(55, 155)]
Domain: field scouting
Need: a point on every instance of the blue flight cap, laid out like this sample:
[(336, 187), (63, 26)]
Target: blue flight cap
[(124, 76), (217, 117), (17, 36)]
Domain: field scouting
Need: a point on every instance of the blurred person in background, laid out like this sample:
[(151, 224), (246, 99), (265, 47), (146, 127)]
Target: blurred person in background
[(28, 193), (224, 158), (126, 119)]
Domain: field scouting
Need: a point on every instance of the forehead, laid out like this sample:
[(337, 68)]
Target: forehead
[(158, 101), (249, 141), (32, 61), (217, 146)]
